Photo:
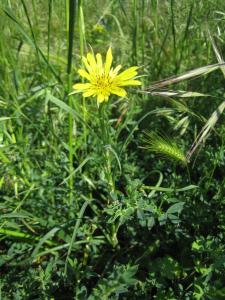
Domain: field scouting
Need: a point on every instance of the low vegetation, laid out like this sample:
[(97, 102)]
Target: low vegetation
[(117, 192)]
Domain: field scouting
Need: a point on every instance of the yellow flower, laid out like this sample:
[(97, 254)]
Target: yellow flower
[(104, 80)]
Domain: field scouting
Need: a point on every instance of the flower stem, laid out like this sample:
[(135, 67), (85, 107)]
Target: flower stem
[(104, 125)]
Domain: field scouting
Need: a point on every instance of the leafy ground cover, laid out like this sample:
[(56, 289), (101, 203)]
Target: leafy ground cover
[(122, 199)]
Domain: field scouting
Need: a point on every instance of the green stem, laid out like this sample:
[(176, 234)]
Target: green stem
[(70, 16), (71, 179), (22, 235), (49, 26), (104, 125), (143, 31), (135, 32), (82, 45)]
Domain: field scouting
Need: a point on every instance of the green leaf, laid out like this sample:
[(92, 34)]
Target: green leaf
[(45, 238), (117, 282), (176, 208)]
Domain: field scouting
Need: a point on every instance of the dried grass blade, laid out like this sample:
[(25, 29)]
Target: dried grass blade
[(206, 129), (188, 75)]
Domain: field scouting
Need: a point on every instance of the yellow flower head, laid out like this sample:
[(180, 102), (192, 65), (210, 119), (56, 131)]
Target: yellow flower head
[(104, 80)]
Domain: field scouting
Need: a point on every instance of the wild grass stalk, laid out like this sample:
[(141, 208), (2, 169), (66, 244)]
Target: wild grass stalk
[(135, 31), (143, 31), (49, 27), (174, 35), (154, 7), (184, 40), (164, 146), (31, 40), (31, 27), (70, 20), (82, 40)]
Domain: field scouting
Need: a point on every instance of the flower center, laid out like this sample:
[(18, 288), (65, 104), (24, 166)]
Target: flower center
[(103, 82)]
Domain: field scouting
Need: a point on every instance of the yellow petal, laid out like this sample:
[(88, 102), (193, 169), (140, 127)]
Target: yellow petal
[(108, 61), (128, 74), (100, 98), (89, 93), (91, 60), (81, 86), (114, 72), (85, 61), (129, 82), (83, 73), (99, 60), (118, 91)]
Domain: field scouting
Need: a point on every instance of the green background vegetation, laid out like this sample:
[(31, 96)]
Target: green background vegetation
[(64, 234)]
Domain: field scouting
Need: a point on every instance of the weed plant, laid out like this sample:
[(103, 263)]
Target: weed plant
[(123, 199)]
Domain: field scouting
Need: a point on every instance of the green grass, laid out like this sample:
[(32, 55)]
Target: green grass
[(90, 206)]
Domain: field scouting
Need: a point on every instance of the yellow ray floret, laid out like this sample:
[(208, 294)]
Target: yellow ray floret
[(103, 79)]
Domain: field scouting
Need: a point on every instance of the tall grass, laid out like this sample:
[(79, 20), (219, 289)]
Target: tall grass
[(82, 47), (70, 20)]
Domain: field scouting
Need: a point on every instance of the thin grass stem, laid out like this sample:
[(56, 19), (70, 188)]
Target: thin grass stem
[(82, 45), (49, 26), (70, 17)]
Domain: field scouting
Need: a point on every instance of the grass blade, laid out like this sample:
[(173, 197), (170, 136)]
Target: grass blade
[(32, 43), (75, 231), (43, 240), (206, 129), (71, 5), (188, 75)]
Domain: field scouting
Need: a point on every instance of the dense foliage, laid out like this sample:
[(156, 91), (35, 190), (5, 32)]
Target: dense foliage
[(107, 202)]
